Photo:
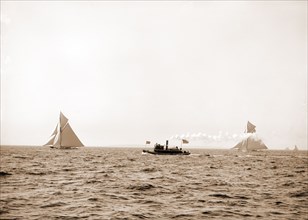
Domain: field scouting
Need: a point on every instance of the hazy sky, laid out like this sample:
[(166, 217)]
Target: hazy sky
[(127, 72)]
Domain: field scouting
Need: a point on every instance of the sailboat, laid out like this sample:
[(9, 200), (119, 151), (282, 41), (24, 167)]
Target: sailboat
[(252, 142), (63, 136), (295, 148)]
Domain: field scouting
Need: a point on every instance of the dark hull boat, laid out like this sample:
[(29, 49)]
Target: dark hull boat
[(162, 150), (167, 152)]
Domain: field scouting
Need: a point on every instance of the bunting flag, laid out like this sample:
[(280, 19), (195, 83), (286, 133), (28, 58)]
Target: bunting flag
[(185, 141), (148, 142)]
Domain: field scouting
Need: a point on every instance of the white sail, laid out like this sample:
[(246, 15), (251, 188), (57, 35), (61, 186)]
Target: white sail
[(64, 136), (55, 131), (51, 140), (57, 140), (69, 138), (239, 145), (52, 137), (63, 121), (252, 142)]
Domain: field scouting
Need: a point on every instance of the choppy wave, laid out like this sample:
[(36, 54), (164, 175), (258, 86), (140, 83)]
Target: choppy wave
[(105, 183)]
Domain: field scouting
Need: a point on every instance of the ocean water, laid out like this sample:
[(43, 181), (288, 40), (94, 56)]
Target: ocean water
[(123, 183)]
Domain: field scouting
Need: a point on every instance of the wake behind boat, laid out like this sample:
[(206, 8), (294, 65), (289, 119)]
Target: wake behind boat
[(164, 150)]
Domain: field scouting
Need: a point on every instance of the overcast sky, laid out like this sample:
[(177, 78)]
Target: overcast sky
[(127, 72)]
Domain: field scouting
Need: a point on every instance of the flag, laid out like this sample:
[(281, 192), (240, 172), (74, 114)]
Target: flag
[(147, 142), (185, 141)]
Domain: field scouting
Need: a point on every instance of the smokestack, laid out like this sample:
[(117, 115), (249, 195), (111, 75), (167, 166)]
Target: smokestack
[(166, 144)]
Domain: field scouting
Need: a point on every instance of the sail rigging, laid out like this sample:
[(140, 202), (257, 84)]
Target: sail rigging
[(63, 135), (252, 142)]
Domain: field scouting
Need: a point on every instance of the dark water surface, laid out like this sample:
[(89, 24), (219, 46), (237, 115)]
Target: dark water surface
[(105, 183)]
